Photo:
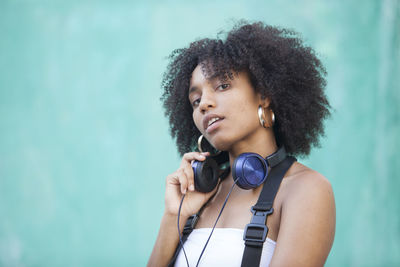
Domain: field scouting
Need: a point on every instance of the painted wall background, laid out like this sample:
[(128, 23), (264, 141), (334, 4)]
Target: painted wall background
[(84, 145)]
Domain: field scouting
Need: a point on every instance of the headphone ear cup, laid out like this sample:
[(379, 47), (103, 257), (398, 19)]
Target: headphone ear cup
[(205, 175), (250, 170)]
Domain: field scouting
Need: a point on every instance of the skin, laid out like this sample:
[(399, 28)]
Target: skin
[(303, 222)]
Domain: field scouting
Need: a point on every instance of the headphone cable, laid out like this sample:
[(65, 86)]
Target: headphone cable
[(179, 230), (219, 215), (216, 221)]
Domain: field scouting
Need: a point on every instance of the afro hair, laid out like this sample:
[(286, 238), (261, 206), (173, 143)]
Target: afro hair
[(280, 68)]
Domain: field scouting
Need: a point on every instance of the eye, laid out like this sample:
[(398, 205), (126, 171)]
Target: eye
[(223, 86), (196, 102)]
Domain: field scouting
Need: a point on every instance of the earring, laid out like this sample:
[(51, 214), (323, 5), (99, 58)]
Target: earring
[(199, 143), (261, 116), (199, 147), (272, 118)]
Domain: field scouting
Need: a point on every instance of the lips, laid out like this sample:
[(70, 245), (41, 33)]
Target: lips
[(210, 120)]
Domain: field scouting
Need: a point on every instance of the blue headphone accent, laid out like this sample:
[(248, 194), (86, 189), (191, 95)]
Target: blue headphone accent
[(249, 169)]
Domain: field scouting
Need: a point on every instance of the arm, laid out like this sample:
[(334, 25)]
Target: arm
[(178, 183), (307, 225), (167, 240)]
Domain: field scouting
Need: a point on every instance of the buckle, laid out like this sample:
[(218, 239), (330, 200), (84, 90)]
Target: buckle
[(256, 231), (255, 234), (258, 210), (190, 224)]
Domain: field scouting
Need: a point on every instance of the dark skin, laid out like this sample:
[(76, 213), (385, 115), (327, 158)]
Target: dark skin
[(303, 222)]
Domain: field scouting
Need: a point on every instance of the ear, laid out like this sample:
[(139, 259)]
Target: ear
[(265, 102)]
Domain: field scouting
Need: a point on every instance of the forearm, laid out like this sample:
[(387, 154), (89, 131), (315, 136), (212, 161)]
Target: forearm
[(167, 240)]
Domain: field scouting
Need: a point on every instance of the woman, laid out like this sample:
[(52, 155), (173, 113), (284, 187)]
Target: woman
[(258, 89)]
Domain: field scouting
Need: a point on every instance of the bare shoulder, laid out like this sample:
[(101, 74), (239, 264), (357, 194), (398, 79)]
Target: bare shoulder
[(303, 182), (307, 218), (308, 190)]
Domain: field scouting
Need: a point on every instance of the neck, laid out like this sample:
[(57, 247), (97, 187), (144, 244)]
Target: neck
[(262, 143)]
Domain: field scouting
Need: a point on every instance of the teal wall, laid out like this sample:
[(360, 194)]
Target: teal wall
[(84, 145)]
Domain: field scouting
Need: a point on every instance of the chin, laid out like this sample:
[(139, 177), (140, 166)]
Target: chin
[(221, 144)]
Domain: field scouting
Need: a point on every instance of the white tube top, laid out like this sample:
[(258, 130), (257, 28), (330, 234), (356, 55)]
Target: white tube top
[(225, 248)]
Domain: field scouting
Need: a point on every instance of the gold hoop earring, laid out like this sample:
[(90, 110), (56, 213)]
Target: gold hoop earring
[(199, 147), (261, 116), (272, 118), (199, 143)]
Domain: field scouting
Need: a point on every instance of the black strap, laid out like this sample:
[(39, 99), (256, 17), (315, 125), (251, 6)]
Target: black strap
[(276, 157), (188, 228), (256, 231)]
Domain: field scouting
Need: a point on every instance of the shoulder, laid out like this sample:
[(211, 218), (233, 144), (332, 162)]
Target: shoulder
[(308, 191), (307, 218), (303, 182)]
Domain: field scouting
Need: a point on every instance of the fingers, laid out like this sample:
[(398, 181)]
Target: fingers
[(178, 179), (188, 157), (184, 176), (183, 181)]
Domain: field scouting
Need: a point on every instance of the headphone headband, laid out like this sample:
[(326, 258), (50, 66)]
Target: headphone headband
[(277, 157)]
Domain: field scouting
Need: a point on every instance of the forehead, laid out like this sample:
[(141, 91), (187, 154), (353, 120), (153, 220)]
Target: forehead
[(198, 80), (202, 76), (198, 77)]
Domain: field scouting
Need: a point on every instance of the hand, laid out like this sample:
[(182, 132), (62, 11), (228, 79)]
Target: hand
[(182, 182)]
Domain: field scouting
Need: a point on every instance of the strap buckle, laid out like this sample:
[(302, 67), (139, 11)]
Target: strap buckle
[(256, 231)]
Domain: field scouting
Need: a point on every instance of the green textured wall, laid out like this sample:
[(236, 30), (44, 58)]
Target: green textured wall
[(84, 146)]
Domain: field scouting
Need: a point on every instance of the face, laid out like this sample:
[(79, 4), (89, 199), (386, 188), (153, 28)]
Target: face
[(225, 112)]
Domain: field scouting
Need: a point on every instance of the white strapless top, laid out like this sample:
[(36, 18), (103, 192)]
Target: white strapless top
[(225, 248)]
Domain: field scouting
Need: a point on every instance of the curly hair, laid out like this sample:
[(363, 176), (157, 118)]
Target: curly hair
[(280, 68)]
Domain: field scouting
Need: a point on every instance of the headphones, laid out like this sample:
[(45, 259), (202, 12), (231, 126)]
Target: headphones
[(249, 169)]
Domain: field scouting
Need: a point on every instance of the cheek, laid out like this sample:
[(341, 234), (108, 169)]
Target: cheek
[(247, 117), (197, 121)]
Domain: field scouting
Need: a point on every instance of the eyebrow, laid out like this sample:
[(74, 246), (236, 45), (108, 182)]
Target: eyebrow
[(193, 89)]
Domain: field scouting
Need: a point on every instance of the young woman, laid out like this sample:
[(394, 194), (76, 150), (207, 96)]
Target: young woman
[(256, 90)]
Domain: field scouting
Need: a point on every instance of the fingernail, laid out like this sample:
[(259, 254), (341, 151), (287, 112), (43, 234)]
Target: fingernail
[(202, 157), (184, 191), (191, 187)]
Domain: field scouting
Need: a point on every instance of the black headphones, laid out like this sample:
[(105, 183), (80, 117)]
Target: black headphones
[(249, 169)]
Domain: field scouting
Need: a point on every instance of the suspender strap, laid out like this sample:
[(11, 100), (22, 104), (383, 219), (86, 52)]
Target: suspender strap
[(256, 231), (189, 226)]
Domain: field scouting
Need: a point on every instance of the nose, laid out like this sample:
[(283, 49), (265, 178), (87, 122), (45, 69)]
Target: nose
[(207, 101)]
